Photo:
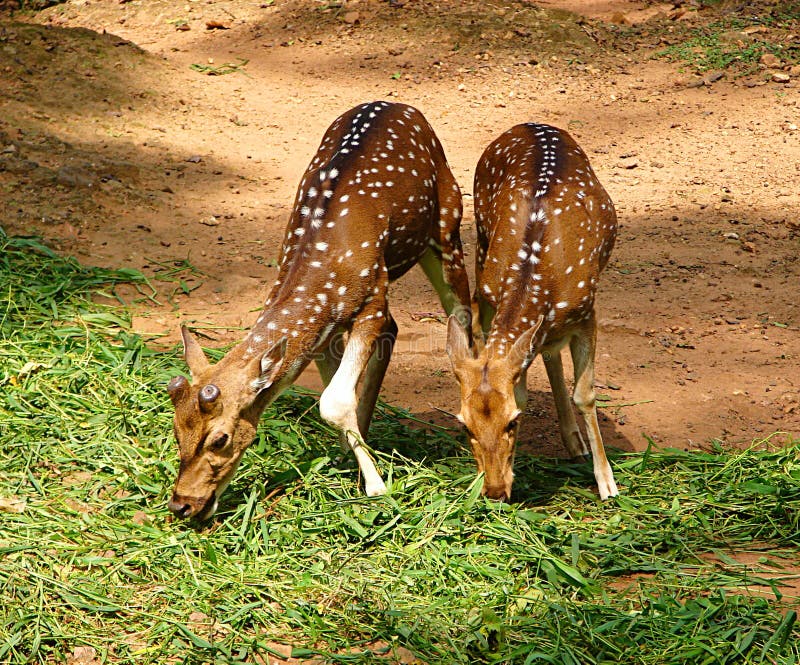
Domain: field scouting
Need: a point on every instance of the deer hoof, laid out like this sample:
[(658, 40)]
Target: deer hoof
[(608, 488), (375, 488)]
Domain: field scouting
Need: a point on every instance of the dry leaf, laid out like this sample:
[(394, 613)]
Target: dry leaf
[(77, 478), (140, 517), (83, 656), (77, 506), (12, 504), (29, 368)]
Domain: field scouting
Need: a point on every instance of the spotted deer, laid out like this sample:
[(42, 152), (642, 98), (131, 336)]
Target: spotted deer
[(546, 228), (377, 198)]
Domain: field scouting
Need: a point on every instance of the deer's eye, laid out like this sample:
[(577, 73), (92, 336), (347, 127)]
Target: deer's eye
[(219, 442), (512, 425)]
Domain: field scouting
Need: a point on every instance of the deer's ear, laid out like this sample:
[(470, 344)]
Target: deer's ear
[(458, 348), (521, 354), (193, 354), (270, 365)]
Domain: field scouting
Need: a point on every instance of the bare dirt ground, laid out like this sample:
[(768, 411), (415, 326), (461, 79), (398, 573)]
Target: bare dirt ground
[(118, 146)]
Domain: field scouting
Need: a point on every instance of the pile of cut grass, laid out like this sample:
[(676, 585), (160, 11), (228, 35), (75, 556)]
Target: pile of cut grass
[(299, 562)]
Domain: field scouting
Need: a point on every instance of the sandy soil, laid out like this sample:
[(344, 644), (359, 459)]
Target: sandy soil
[(116, 148)]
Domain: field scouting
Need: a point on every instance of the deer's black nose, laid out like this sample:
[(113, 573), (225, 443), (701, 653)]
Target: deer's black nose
[(179, 507), (498, 493)]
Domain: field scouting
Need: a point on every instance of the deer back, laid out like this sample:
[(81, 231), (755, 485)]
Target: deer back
[(546, 228)]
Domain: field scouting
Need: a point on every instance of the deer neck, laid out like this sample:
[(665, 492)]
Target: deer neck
[(305, 332), (276, 322), (510, 322), (521, 291)]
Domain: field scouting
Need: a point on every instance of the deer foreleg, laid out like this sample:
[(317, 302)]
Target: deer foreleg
[(582, 347), (373, 376), (328, 360), (570, 434), (338, 403)]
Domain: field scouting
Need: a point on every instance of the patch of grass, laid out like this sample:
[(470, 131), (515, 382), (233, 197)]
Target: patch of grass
[(299, 562), (38, 5), (182, 273), (221, 70), (704, 52), (727, 44)]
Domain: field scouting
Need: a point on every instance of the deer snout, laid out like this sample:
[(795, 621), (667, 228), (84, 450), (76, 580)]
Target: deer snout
[(186, 507), (497, 492)]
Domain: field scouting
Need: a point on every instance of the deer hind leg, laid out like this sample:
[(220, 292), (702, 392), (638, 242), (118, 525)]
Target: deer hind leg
[(485, 315), (338, 403), (521, 390), (373, 375), (570, 434), (435, 266), (582, 347), (443, 261), (432, 265), (328, 361)]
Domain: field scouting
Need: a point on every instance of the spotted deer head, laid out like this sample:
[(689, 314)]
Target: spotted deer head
[(490, 410), (216, 416)]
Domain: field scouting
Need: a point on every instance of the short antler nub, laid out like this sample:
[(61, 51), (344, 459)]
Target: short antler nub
[(207, 396), (176, 386)]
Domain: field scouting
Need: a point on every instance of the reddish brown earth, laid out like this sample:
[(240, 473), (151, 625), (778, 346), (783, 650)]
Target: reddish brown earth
[(115, 149)]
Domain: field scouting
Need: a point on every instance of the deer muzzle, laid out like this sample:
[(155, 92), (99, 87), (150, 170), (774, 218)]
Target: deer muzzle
[(185, 507), (497, 492)]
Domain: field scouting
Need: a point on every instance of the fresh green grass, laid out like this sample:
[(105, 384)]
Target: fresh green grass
[(298, 557), (705, 51), (721, 45)]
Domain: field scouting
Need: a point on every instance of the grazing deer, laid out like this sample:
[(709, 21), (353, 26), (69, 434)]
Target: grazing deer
[(377, 198), (546, 228)]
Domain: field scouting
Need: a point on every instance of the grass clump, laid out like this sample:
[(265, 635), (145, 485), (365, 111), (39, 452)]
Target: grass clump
[(739, 42), (705, 51), (299, 563)]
